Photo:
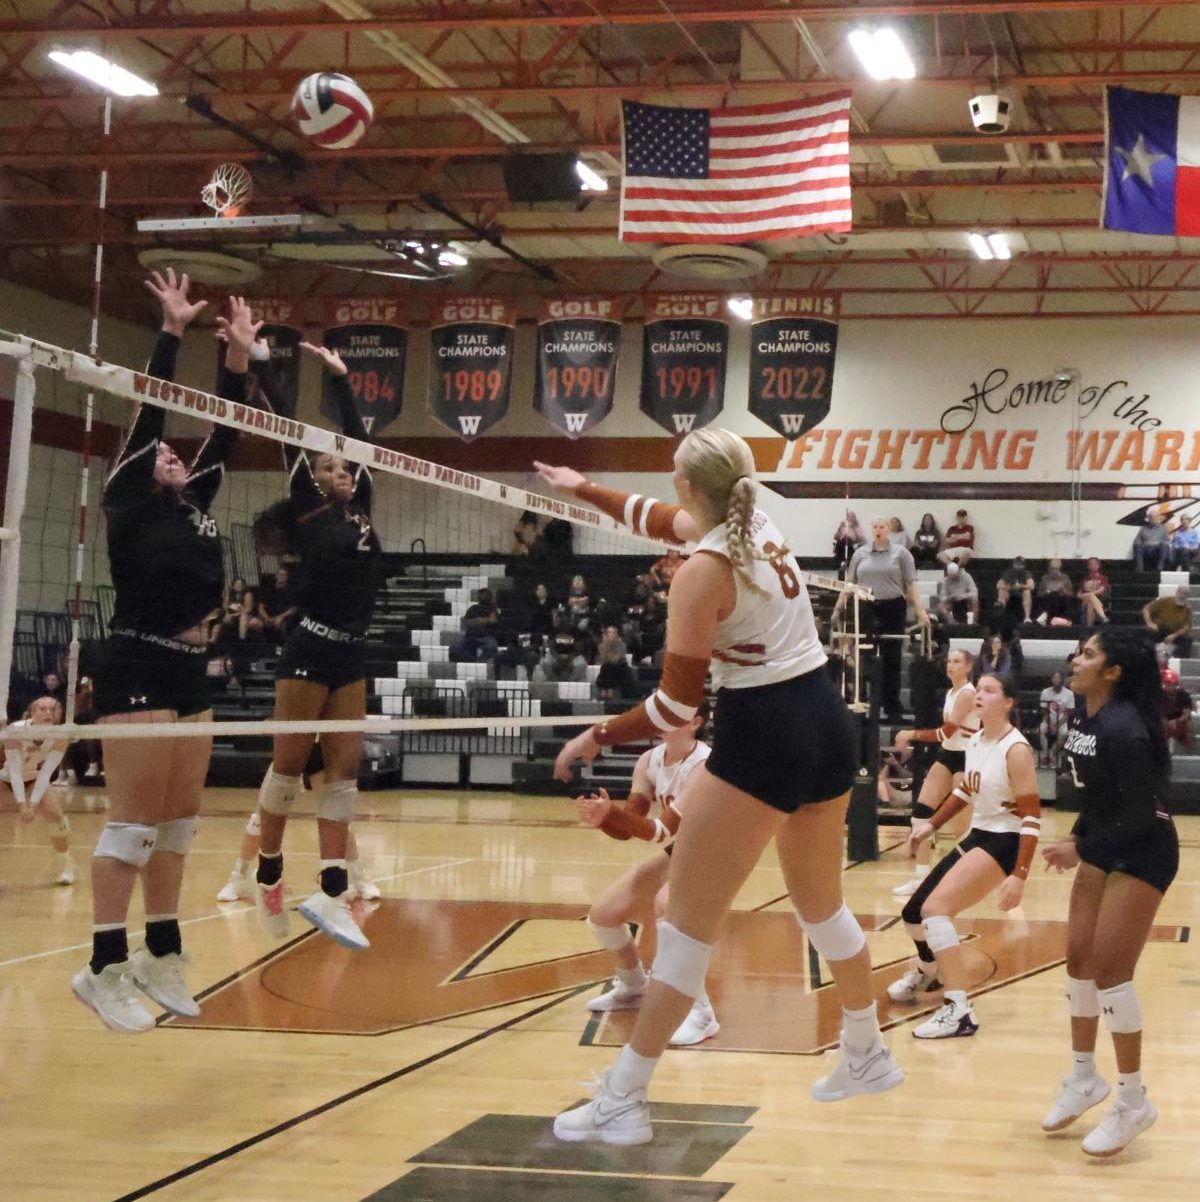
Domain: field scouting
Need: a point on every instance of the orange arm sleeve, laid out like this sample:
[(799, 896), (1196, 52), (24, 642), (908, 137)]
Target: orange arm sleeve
[(643, 515), (1029, 806)]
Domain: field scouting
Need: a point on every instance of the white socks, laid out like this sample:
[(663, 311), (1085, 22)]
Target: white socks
[(860, 1028), (633, 978), (631, 1071), (1083, 1066), (1129, 1090)]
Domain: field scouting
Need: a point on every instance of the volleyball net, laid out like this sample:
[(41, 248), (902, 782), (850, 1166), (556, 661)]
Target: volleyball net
[(56, 594)]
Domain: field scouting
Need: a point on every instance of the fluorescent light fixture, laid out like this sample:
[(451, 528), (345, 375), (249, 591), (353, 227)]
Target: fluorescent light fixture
[(999, 245), (882, 54), (981, 246), (451, 258), (100, 71), (593, 181), (740, 306)]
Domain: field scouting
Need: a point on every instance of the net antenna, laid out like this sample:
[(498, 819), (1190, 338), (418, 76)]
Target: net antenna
[(229, 189)]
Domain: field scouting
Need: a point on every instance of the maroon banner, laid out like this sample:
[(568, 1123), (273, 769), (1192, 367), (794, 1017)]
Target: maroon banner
[(578, 343)]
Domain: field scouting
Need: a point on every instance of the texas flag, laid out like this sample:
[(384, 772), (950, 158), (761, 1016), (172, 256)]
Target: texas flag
[(1152, 163)]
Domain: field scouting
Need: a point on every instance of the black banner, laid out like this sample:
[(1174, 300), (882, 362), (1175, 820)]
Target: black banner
[(471, 353), (793, 341), (685, 346), (369, 333), (578, 342), (282, 330)]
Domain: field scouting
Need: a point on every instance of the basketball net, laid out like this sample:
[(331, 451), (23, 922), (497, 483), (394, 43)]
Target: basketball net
[(229, 189)]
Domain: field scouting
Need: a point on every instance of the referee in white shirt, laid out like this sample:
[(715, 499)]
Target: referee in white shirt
[(887, 569)]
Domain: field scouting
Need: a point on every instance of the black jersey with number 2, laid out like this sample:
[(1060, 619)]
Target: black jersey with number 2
[(1122, 790)]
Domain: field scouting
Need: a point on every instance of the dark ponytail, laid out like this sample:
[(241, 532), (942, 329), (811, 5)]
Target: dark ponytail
[(1140, 683), (276, 529)]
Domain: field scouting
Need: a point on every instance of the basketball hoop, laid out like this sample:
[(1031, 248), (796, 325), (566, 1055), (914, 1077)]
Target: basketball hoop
[(228, 190)]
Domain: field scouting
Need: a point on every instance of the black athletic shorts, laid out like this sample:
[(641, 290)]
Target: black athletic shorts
[(788, 744), (1154, 858), (955, 761), (1002, 846), (332, 663), (139, 672)]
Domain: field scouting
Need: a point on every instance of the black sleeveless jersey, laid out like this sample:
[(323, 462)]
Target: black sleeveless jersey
[(163, 547), (1122, 792)]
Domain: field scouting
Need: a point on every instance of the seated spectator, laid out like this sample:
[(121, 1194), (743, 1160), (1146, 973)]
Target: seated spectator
[(663, 570), (1055, 601), (959, 543), (1094, 593), (478, 639), (1177, 712), (278, 608), (998, 657), (894, 784), (54, 686), (898, 535), (83, 759), (1185, 544), (1152, 544), (958, 596), (580, 611), (927, 542), (631, 626), (847, 539), (561, 662), (1014, 590), (1171, 620), (525, 533), (228, 618), (250, 624), (1058, 704), (616, 677), (653, 629), (541, 616)]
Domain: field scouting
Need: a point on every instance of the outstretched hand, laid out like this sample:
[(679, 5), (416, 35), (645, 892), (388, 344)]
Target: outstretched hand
[(561, 479), (332, 360), (172, 296), (239, 330)]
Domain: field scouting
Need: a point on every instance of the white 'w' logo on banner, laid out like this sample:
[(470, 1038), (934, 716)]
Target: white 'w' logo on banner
[(683, 422), (470, 425), (793, 423), (575, 421)]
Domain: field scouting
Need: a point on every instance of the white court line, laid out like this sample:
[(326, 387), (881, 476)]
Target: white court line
[(187, 922)]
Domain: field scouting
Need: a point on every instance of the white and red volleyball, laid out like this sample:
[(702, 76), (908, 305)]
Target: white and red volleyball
[(332, 110)]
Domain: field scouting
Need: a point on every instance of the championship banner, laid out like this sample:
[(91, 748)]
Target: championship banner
[(793, 340), (471, 352), (283, 331), (370, 335), (577, 346), (685, 345)]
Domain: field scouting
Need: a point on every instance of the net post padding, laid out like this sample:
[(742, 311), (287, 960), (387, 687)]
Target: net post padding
[(14, 508)]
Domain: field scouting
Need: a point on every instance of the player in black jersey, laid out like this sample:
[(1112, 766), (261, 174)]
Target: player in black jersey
[(165, 555), (1127, 852), (325, 523)]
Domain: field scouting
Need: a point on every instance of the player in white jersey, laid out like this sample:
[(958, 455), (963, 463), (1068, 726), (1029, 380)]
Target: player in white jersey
[(27, 772), (784, 757), (653, 813), (1000, 780), (959, 723)]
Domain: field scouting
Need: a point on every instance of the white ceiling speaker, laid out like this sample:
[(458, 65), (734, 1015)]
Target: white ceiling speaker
[(710, 263), (203, 266)]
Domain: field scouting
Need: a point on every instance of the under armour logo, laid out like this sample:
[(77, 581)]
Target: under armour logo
[(300, 672), (1109, 1010), (147, 842), (137, 701)]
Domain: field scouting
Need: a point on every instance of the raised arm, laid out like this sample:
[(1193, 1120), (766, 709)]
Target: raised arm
[(348, 417)]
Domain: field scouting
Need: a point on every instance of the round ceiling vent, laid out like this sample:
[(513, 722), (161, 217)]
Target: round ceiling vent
[(203, 266), (710, 263)]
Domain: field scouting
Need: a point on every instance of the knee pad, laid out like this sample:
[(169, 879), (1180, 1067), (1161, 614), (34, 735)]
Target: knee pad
[(612, 939), (177, 835), (920, 811), (129, 842), (278, 793), (1083, 999), (254, 826), (1120, 1009), (681, 961), (837, 938), (940, 933), (337, 801)]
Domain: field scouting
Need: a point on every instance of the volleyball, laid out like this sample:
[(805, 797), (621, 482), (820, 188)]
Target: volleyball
[(332, 110)]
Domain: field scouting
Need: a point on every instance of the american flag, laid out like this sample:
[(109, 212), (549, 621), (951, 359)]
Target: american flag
[(736, 174)]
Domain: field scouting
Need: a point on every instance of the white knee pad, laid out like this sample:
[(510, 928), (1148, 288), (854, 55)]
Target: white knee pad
[(838, 937), (337, 800), (1083, 999), (278, 793), (940, 933), (681, 961), (129, 842), (612, 939), (254, 825), (177, 835), (1120, 1009)]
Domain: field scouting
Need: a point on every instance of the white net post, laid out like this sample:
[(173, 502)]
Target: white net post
[(14, 508)]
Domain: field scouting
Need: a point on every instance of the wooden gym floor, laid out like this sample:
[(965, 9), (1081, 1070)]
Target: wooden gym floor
[(429, 1066)]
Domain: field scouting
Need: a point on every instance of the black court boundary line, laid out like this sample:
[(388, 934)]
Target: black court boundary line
[(350, 1096)]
